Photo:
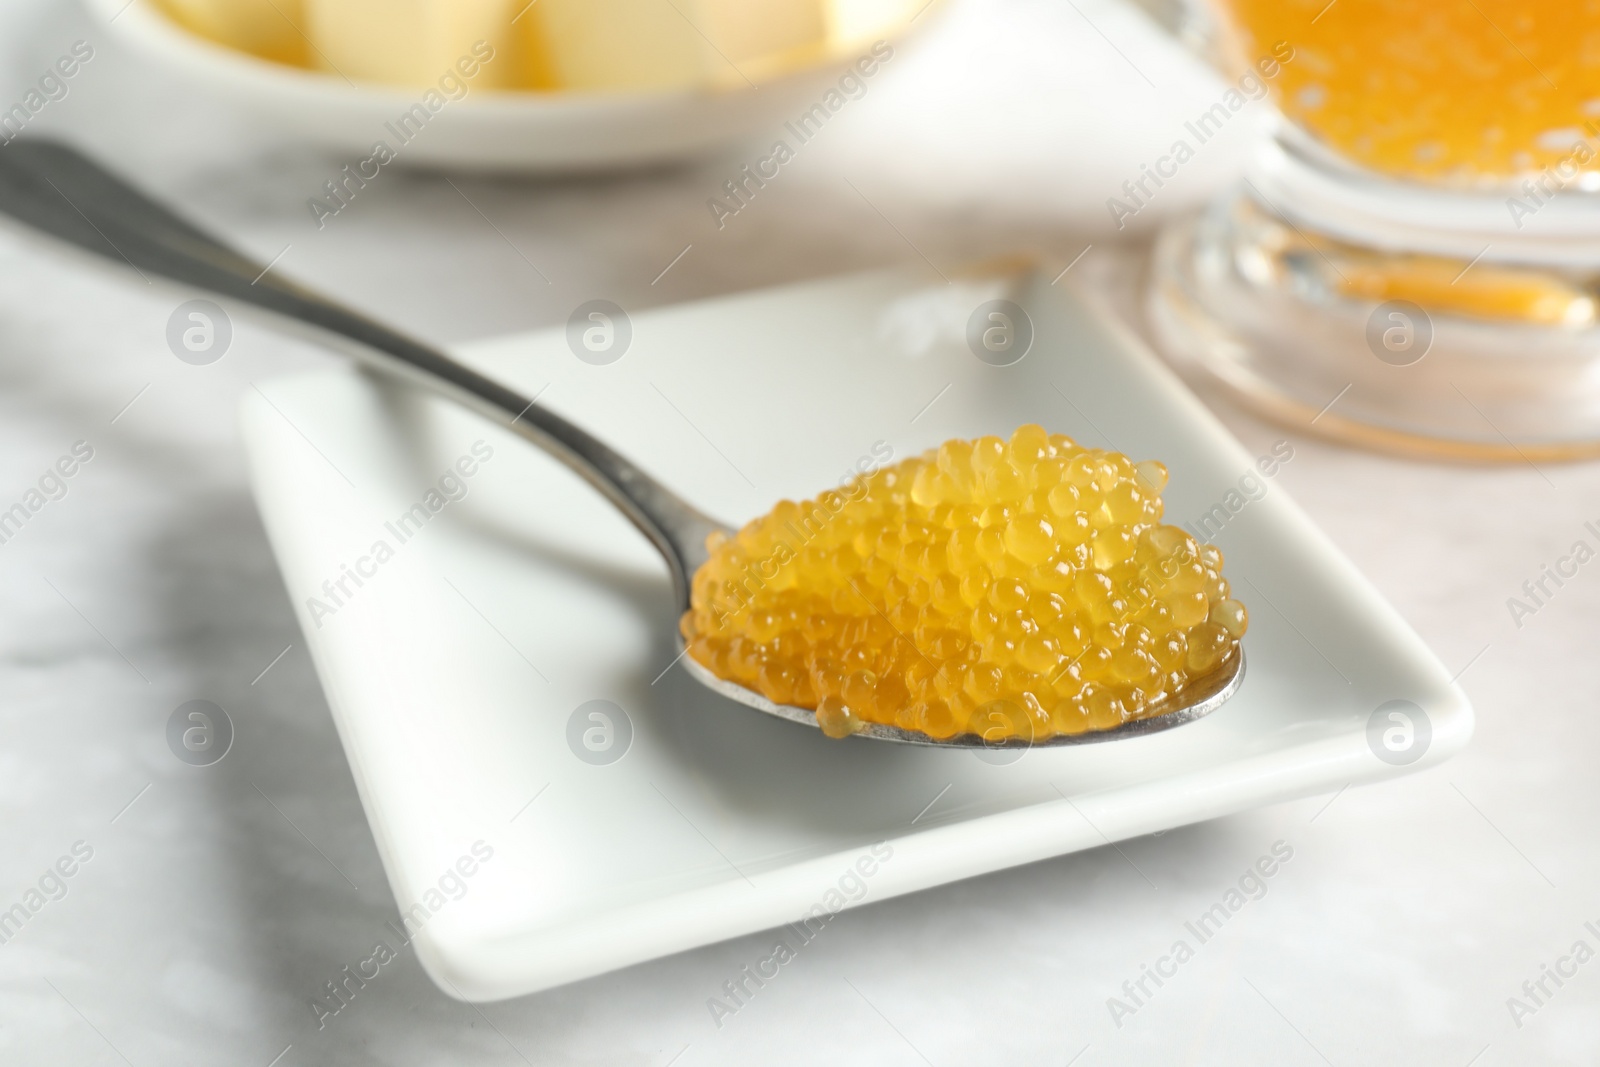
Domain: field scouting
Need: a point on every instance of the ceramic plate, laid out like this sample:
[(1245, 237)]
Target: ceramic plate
[(503, 678)]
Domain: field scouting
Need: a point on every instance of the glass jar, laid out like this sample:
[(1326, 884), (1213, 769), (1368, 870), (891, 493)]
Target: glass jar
[(1412, 259)]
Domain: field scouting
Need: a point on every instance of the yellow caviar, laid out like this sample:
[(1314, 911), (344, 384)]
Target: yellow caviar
[(1454, 90), (1015, 589)]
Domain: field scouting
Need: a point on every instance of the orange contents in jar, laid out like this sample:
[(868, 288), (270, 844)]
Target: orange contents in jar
[(1465, 91)]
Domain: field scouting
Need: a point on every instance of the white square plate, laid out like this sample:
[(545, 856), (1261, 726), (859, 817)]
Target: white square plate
[(455, 668)]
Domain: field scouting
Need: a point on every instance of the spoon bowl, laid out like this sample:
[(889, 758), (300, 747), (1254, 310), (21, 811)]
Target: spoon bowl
[(1200, 699), (57, 190)]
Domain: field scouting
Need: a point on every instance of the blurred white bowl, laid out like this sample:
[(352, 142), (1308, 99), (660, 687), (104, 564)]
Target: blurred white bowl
[(503, 130)]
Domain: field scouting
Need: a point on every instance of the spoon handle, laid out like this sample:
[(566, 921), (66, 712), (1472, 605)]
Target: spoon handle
[(54, 188)]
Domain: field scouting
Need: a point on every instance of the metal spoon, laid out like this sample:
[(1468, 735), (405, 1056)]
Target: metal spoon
[(56, 189)]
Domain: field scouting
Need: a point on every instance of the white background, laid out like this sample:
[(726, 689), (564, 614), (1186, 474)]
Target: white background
[(207, 919)]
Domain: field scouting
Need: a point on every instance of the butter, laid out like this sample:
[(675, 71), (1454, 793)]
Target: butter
[(414, 42), (666, 44), (852, 23), (266, 28), (746, 32), (616, 44), (585, 45)]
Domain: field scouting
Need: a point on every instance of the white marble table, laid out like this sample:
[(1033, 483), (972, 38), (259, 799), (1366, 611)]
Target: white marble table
[(218, 900)]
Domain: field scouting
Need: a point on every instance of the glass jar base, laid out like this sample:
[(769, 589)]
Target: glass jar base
[(1422, 354)]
